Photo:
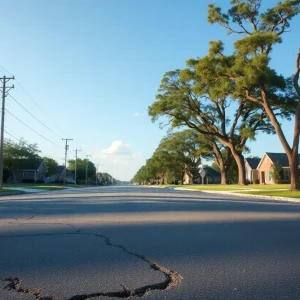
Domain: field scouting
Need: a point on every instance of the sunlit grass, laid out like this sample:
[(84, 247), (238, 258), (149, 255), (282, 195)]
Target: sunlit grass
[(5, 191), (274, 193), (236, 187), (41, 186)]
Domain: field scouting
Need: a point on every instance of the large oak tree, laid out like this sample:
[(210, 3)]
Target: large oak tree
[(188, 97), (249, 66)]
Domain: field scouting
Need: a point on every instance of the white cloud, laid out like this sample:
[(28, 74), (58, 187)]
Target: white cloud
[(117, 148), (118, 159), (137, 155), (137, 114)]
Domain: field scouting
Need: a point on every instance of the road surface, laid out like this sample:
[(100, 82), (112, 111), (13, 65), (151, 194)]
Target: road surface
[(120, 242)]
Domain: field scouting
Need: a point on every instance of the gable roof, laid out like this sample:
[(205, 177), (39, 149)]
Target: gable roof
[(211, 172), (27, 163), (280, 158), (253, 162), (60, 170)]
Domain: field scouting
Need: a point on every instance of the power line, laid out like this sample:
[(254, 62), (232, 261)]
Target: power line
[(25, 91), (19, 139), (34, 116), (32, 129)]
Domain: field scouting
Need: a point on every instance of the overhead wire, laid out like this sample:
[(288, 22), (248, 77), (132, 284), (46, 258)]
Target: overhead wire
[(31, 98), (34, 116), (20, 139), (25, 91), (32, 129)]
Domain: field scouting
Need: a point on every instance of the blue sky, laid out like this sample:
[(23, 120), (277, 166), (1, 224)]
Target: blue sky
[(94, 66)]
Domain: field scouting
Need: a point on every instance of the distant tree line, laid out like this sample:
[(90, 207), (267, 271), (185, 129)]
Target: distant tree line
[(14, 151)]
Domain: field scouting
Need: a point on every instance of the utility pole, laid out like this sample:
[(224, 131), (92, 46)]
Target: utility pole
[(66, 152), (86, 169), (5, 90), (76, 165)]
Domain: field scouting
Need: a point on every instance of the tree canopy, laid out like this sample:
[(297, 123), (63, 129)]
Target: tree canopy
[(51, 165), (20, 150), (248, 68), (81, 169)]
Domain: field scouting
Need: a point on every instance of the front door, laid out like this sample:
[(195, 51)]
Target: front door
[(262, 178)]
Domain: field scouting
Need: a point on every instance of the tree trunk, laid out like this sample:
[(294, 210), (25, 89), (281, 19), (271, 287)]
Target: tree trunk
[(240, 161), (222, 163), (294, 175), (224, 178)]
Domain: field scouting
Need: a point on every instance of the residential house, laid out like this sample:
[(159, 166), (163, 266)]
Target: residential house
[(187, 177), (252, 174), (61, 173), (265, 167), (28, 170), (212, 176)]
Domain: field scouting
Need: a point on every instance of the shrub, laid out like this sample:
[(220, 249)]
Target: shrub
[(40, 181), (276, 171), (27, 181)]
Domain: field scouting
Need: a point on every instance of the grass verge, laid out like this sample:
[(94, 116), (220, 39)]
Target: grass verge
[(5, 191), (275, 193), (39, 186), (235, 187)]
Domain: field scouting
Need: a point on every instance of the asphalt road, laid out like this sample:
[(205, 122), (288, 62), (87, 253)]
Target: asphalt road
[(119, 242)]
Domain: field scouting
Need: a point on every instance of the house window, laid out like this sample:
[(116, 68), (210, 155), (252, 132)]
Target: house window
[(286, 175), (268, 176), (24, 173)]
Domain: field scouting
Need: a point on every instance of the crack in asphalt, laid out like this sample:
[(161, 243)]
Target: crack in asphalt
[(172, 278)]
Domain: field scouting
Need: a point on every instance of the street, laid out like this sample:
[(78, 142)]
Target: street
[(119, 242)]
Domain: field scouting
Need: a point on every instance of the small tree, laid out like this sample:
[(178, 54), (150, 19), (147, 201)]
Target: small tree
[(51, 165), (276, 172)]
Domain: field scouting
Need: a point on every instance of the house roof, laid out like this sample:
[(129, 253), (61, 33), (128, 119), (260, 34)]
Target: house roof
[(253, 162), (60, 169), (212, 172), (27, 163), (280, 158)]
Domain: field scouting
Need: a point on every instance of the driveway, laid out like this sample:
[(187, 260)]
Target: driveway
[(117, 242)]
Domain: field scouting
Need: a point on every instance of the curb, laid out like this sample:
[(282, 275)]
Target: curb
[(292, 200)]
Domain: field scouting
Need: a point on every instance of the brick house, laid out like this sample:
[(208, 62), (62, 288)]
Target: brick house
[(265, 167)]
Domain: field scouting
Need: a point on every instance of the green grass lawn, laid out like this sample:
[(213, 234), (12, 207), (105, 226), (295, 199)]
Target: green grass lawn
[(279, 190), (274, 193), (4, 191), (235, 187), (40, 186), (35, 186)]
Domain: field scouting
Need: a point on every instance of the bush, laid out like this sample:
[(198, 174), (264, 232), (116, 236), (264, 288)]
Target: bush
[(28, 181), (40, 181), (276, 172), (256, 181)]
